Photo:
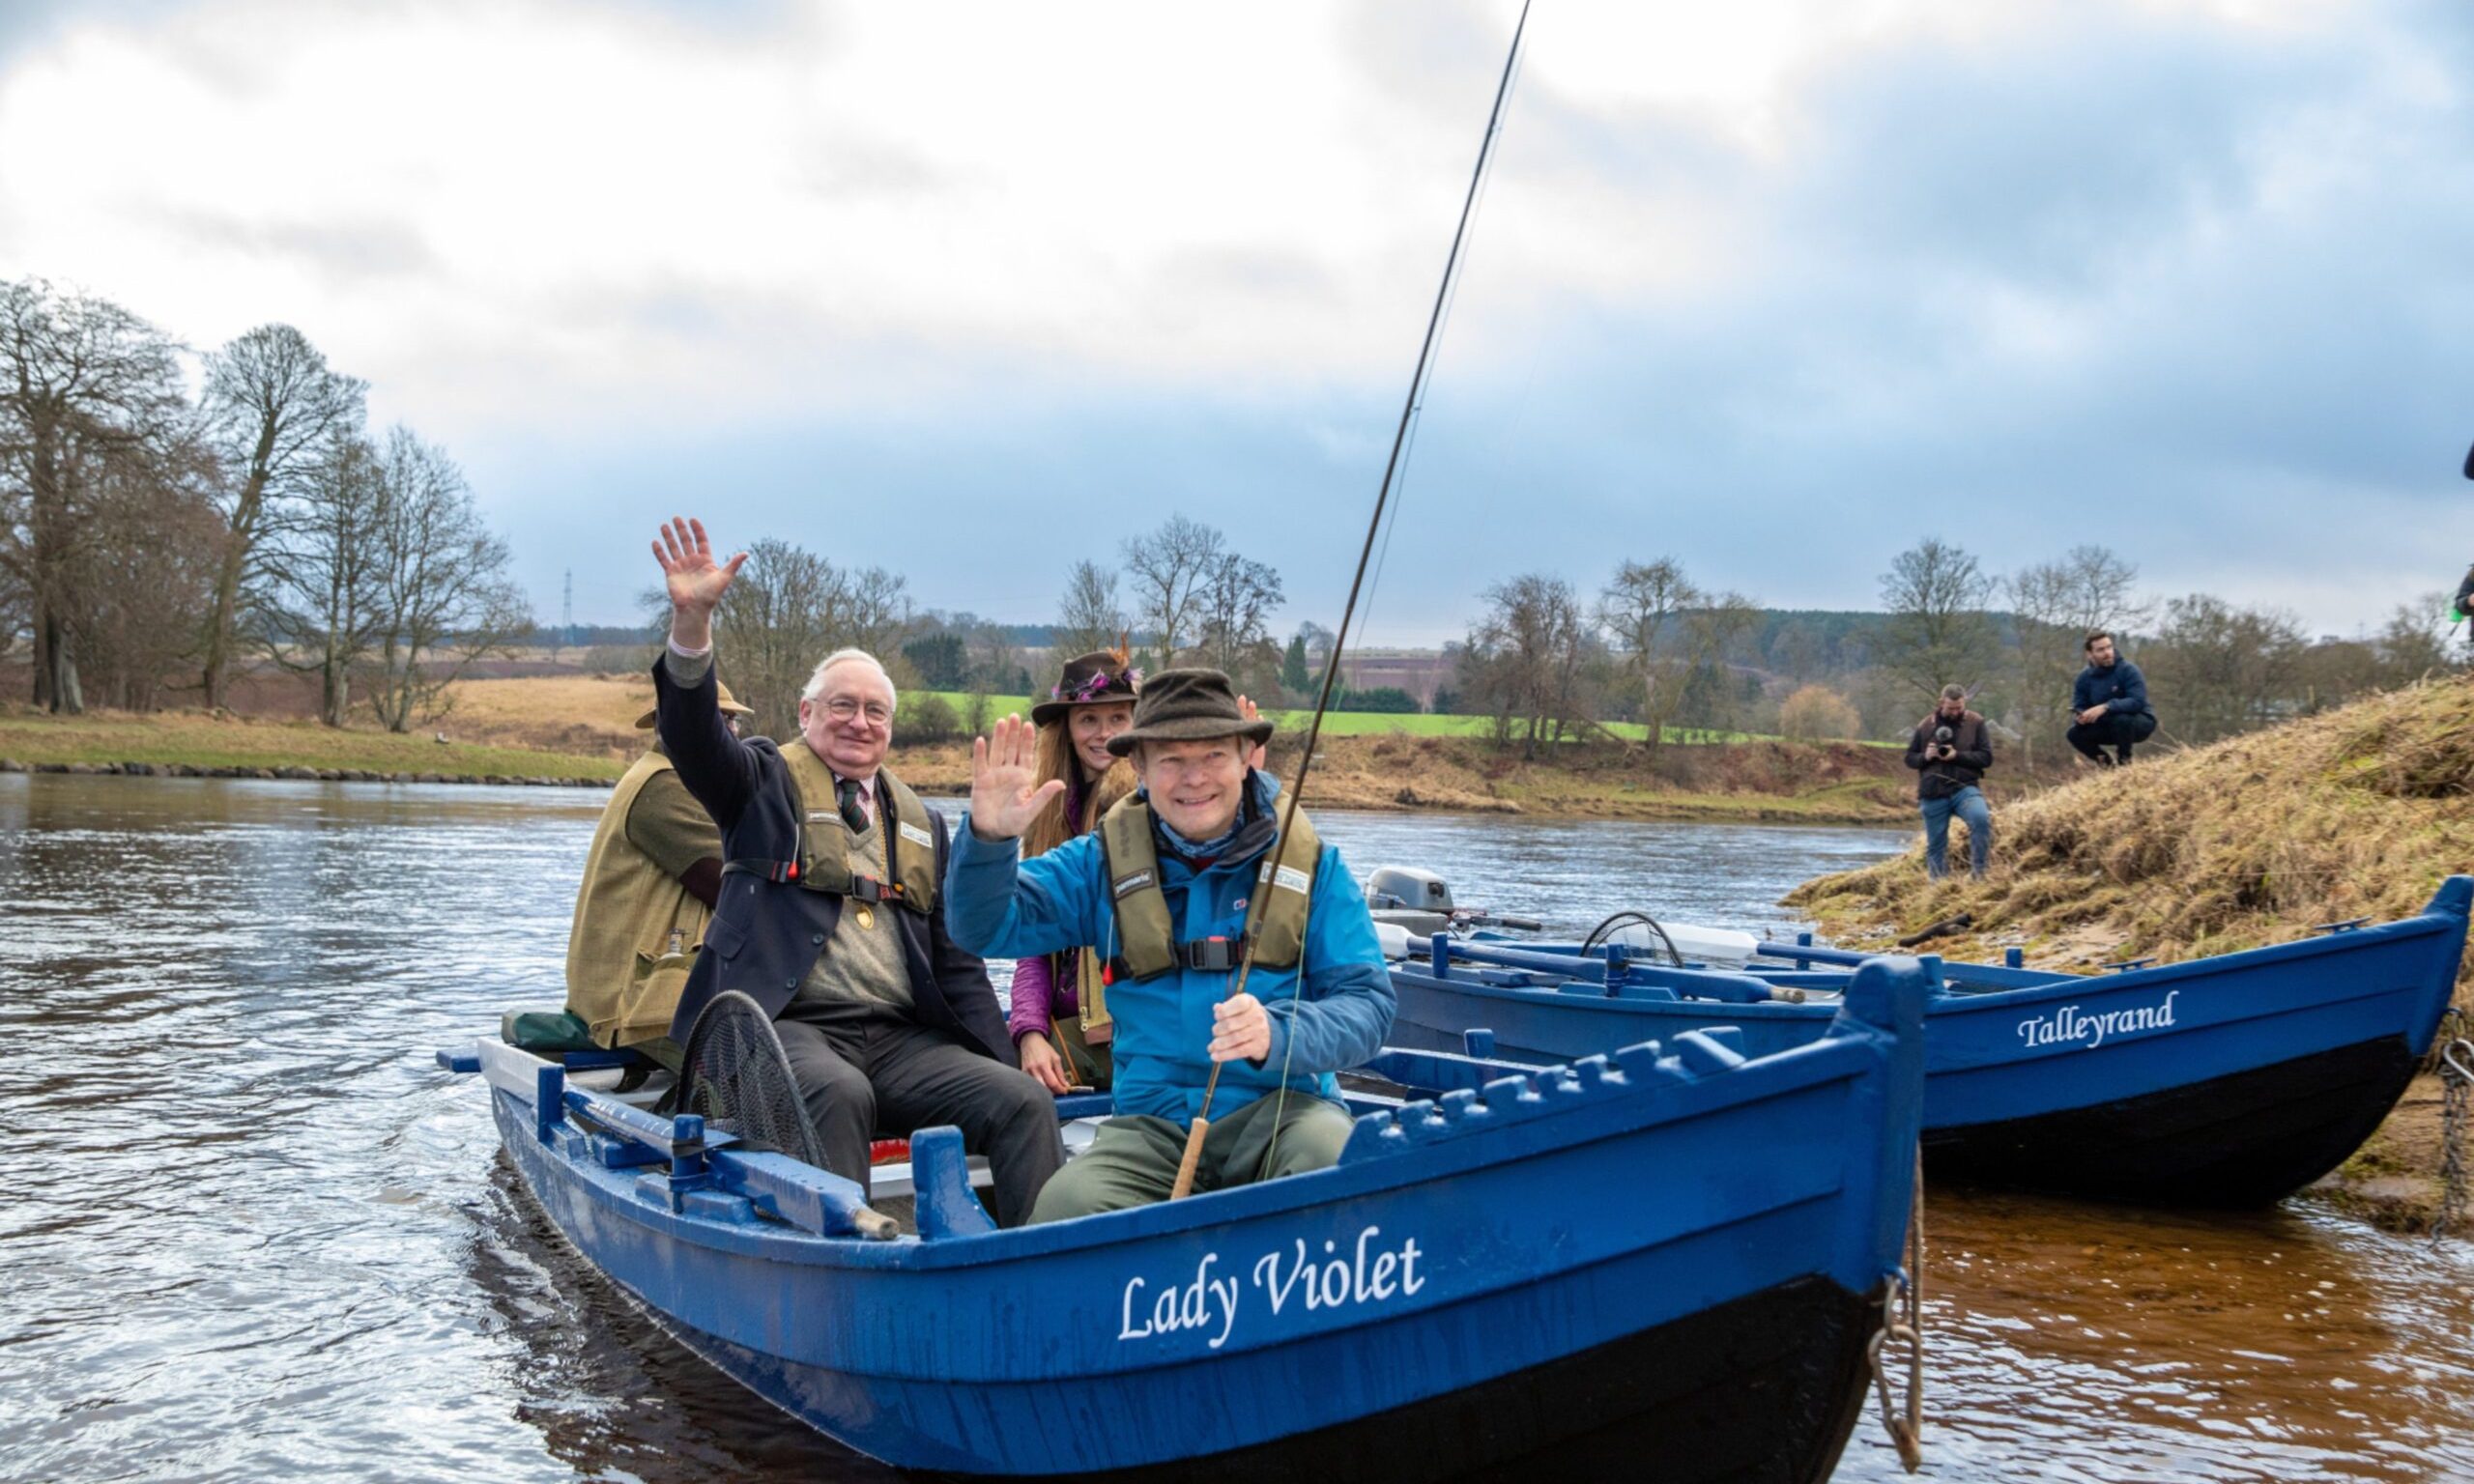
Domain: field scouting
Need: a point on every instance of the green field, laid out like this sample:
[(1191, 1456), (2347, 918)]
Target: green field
[(1375, 724)]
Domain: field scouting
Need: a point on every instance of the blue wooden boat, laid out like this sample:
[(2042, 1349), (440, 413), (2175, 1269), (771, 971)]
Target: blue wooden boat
[(2231, 1080), (1667, 1261)]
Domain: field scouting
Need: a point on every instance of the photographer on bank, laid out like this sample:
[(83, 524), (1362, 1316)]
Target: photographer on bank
[(1949, 752)]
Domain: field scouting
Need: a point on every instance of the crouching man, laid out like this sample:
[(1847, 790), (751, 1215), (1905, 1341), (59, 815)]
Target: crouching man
[(1176, 886)]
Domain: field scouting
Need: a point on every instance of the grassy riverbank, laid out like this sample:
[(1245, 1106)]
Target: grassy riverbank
[(197, 740), (583, 726), (2356, 812)]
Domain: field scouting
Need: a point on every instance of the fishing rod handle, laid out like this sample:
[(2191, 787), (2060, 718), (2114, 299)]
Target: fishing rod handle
[(1185, 1185)]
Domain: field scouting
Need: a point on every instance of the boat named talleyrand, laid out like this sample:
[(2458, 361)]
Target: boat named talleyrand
[(2229, 1080)]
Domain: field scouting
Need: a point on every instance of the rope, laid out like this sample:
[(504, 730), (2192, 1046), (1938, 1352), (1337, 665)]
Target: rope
[(1903, 1323), (2455, 1066)]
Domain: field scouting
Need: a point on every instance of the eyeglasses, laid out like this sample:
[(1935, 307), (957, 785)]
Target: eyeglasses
[(846, 710)]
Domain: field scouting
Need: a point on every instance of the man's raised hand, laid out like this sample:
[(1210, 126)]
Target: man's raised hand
[(1003, 798), (695, 579)]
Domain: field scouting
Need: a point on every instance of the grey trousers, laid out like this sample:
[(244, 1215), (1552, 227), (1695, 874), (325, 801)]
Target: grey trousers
[(865, 1069), (1134, 1160)]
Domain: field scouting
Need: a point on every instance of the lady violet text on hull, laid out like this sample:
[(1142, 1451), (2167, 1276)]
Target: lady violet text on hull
[(1363, 1273)]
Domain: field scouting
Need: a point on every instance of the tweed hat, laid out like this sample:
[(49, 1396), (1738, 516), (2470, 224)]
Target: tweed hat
[(730, 707), (1188, 705), (1098, 678)]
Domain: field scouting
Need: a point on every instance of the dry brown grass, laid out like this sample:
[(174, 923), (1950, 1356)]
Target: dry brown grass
[(2359, 813), (591, 715)]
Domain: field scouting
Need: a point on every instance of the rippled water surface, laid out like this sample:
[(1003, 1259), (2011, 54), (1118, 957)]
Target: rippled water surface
[(250, 1233)]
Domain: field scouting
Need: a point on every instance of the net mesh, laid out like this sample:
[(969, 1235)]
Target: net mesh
[(737, 1077)]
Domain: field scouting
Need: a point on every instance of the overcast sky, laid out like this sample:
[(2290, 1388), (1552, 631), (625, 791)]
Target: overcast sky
[(973, 291)]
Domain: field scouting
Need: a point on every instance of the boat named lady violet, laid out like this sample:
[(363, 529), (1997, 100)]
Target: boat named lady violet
[(1669, 1259), (2232, 1080)]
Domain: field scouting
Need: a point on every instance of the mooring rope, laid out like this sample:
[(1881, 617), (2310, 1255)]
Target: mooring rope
[(1903, 1323)]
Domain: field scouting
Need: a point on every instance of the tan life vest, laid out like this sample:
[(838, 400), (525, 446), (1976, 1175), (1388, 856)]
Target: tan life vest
[(1147, 939), (825, 841), (637, 928)]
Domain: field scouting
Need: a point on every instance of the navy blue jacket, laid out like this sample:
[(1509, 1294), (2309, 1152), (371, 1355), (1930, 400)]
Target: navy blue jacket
[(2121, 690), (765, 935)]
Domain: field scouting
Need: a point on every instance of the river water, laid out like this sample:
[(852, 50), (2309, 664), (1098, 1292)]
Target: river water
[(250, 1233)]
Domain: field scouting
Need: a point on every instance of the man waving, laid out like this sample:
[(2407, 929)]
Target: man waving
[(1182, 883), (828, 912)]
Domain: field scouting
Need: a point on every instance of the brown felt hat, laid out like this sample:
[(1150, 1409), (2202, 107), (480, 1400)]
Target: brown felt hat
[(1188, 705), (1098, 678), (730, 707)]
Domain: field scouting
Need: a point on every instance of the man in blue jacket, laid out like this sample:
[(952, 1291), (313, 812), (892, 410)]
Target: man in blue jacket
[(2109, 704), (1182, 883)]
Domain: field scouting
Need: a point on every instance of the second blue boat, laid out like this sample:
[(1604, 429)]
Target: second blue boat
[(2231, 1080)]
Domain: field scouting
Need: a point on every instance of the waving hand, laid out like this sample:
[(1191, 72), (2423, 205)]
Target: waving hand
[(1003, 799), (695, 579)]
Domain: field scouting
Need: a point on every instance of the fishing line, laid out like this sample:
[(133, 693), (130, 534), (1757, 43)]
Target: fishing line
[(1339, 639), (1417, 424)]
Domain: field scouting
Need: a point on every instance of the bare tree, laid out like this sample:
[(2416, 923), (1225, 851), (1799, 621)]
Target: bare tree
[(145, 580), (790, 609), (1234, 630), (442, 577), (83, 383), (774, 621), (1937, 631), (2056, 605), (1169, 568), (2414, 642), (2216, 670), (1525, 659), (1713, 631), (275, 409), (869, 608), (321, 610), (1089, 617), (1638, 607)]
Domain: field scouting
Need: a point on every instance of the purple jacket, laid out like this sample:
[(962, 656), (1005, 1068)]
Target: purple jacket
[(1044, 985)]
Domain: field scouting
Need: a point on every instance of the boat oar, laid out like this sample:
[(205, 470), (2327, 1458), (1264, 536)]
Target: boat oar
[(1185, 1182)]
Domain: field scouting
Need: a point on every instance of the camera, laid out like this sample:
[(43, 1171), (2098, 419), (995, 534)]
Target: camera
[(1943, 736)]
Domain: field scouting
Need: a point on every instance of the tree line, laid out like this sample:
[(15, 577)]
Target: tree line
[(1546, 662), (154, 542), (1180, 594)]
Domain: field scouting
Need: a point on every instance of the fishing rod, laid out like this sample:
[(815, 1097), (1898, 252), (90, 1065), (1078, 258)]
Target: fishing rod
[(1201, 1126)]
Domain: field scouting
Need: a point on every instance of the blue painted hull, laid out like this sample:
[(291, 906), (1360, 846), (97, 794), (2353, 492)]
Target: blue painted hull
[(2229, 1080), (1487, 1281)]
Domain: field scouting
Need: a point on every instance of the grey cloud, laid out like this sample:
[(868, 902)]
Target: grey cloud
[(337, 249)]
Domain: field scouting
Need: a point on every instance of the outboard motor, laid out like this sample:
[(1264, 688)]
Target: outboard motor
[(1417, 902), (1420, 903), (1398, 887)]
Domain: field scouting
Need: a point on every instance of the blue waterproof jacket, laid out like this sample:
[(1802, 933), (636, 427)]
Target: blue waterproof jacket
[(2121, 689), (998, 906)]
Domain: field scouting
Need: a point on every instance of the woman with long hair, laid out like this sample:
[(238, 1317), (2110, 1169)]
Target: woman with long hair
[(1060, 1016)]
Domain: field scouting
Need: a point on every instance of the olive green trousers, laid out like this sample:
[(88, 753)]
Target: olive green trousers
[(1134, 1160)]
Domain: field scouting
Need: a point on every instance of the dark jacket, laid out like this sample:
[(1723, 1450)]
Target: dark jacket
[(1941, 778), (765, 935), (2121, 690)]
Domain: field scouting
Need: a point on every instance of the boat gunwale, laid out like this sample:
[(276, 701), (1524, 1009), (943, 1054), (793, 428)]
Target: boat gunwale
[(1594, 1119), (2429, 921)]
